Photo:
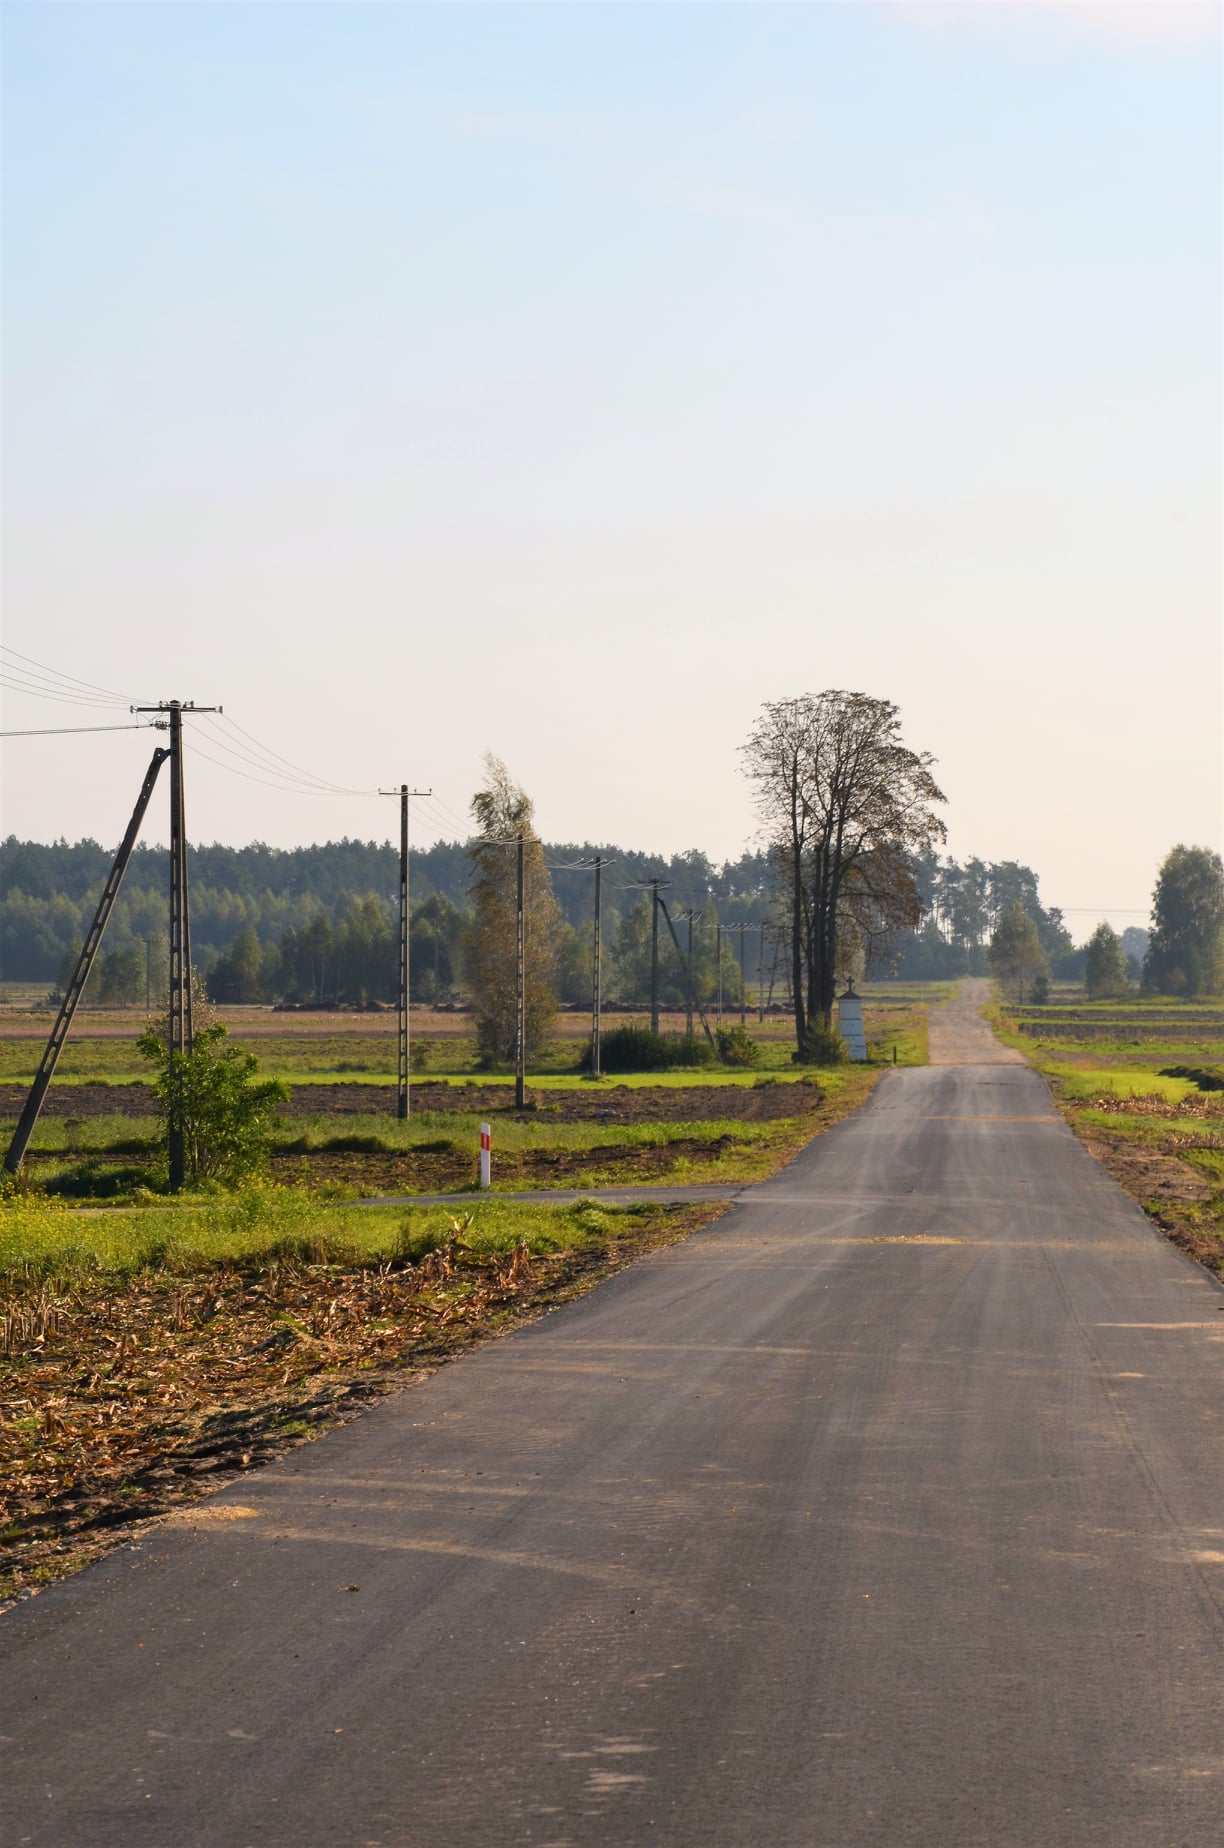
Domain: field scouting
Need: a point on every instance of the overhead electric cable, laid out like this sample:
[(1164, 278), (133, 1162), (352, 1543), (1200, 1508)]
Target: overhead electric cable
[(58, 673), (60, 699), (285, 778), (66, 731), (265, 750)]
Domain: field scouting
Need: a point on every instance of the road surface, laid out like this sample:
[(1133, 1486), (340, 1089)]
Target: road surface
[(886, 1511)]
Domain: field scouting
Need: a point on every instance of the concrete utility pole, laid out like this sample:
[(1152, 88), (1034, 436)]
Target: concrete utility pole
[(761, 976), (520, 997), (402, 1098), (688, 971), (80, 975), (743, 981), (654, 956), (718, 964), (180, 1036), (597, 971)]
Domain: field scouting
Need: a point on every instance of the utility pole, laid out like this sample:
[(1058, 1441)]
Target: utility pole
[(435, 950), (80, 975), (597, 986), (761, 977), (180, 1035), (654, 956), (401, 1094), (718, 959), (743, 980), (148, 943), (688, 1012), (520, 997)]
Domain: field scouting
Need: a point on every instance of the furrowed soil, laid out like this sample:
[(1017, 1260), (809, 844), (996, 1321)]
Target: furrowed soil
[(128, 1396), (762, 1102)]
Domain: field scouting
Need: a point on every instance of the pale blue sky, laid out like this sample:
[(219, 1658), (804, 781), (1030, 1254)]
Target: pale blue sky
[(566, 381)]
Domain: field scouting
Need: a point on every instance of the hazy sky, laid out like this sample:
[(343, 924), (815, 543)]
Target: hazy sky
[(567, 380)]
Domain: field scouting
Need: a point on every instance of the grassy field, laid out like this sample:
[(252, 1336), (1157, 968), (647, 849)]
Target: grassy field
[(1137, 1079)]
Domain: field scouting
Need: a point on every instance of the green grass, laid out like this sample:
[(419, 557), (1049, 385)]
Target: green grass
[(258, 1224)]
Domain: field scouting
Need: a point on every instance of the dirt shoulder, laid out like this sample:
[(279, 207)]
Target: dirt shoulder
[(125, 1398)]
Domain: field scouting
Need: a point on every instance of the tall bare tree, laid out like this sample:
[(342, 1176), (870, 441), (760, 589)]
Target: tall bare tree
[(502, 811), (844, 806)]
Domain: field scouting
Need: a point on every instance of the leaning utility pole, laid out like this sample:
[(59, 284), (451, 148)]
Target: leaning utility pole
[(654, 956), (597, 985), (401, 1094), (520, 996), (80, 975), (180, 1034)]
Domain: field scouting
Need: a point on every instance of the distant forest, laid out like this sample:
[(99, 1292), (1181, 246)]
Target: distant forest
[(318, 923)]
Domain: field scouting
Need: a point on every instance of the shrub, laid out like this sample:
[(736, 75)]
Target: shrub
[(227, 1115), (736, 1046), (637, 1049), (822, 1046)]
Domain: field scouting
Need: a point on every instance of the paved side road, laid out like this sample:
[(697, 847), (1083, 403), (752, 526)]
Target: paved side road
[(886, 1511)]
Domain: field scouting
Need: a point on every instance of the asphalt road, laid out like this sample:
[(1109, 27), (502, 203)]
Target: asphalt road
[(887, 1511)]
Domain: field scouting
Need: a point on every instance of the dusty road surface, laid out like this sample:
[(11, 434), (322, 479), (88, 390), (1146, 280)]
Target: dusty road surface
[(959, 1035), (887, 1511)]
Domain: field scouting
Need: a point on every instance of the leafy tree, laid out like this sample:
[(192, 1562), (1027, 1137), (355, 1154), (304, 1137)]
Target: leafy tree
[(227, 1116), (845, 807), (1185, 954), (502, 813), (1015, 952), (1105, 972)]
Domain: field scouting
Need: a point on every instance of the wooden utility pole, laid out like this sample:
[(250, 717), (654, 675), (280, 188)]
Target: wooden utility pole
[(520, 998)]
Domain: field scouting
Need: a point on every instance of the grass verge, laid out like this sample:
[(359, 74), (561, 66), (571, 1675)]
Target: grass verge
[(1161, 1137)]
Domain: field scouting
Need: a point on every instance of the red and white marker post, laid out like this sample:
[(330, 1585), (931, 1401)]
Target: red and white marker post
[(486, 1155)]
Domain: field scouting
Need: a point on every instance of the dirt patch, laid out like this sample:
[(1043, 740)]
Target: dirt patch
[(753, 1103), (960, 1036), (445, 1171), (123, 1399)]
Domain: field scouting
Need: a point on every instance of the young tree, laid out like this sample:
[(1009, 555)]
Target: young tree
[(1185, 953), (502, 813), (1015, 950), (227, 1116), (1105, 971), (845, 806)]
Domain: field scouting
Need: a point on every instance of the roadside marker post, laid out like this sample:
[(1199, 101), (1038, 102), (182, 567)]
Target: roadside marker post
[(486, 1155)]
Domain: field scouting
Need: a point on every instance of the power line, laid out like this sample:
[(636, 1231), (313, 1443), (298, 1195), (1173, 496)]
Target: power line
[(66, 731), (58, 674), (60, 698)]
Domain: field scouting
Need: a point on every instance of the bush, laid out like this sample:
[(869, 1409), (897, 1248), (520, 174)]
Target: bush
[(1039, 992), (637, 1049), (822, 1046), (736, 1046), (227, 1115)]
